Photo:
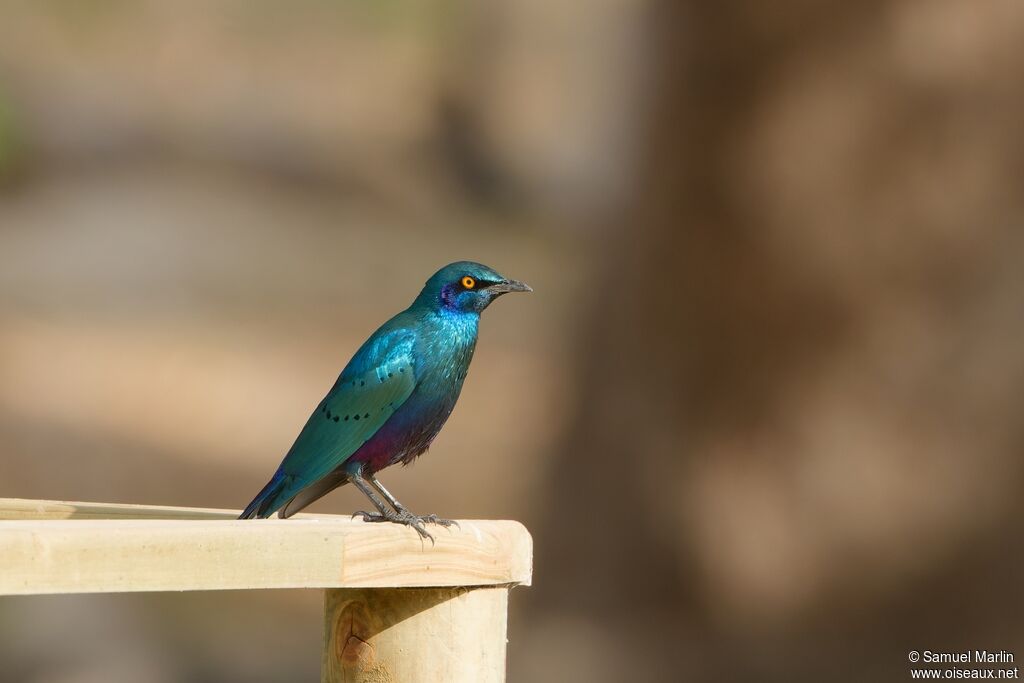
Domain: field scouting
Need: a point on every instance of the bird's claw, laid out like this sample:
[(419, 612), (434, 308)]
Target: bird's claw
[(434, 519), (406, 518), (426, 519), (417, 524)]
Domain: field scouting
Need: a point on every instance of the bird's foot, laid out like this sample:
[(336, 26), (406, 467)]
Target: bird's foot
[(434, 519), (370, 516), (406, 518)]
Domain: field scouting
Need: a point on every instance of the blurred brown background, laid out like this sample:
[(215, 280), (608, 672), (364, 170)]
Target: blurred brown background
[(761, 414)]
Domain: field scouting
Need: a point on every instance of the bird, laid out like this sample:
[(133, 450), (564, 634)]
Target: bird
[(390, 401)]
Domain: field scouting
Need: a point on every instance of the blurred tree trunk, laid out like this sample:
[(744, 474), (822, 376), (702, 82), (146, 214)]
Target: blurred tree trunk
[(796, 455)]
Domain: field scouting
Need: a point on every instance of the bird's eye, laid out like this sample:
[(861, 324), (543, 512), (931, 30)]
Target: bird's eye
[(468, 282)]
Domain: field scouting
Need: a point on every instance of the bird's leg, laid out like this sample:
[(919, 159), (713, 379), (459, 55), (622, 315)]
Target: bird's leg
[(384, 512), (404, 511), (398, 515)]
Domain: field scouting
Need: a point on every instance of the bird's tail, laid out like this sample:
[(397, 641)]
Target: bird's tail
[(270, 498)]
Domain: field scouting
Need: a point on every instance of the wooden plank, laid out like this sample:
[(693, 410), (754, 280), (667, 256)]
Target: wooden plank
[(25, 508), (415, 635), (101, 548)]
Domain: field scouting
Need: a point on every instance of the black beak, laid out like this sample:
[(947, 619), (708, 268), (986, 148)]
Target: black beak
[(509, 286)]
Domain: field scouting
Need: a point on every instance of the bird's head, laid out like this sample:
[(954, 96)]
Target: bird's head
[(466, 287)]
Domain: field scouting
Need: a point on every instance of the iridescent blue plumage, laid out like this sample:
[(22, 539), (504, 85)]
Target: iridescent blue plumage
[(391, 399)]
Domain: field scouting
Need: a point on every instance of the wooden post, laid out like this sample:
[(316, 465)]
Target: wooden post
[(396, 609), (413, 635)]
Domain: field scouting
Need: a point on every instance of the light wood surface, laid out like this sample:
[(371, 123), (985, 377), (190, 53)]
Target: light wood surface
[(23, 508), (62, 547), (415, 635)]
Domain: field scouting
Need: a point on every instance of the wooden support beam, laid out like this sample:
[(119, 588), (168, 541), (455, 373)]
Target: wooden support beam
[(120, 548), (395, 608), (415, 635)]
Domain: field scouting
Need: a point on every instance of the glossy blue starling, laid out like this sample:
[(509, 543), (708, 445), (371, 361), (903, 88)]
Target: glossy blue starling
[(390, 401)]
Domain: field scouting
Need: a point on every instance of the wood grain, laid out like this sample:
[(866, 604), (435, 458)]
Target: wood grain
[(415, 635), (60, 547)]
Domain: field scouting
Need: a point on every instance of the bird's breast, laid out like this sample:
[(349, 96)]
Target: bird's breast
[(441, 372), (443, 352)]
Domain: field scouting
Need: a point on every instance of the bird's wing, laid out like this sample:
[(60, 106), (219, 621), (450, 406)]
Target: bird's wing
[(375, 384)]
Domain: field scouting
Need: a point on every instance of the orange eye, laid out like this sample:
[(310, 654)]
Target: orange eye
[(468, 282)]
